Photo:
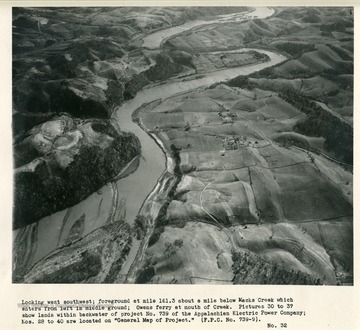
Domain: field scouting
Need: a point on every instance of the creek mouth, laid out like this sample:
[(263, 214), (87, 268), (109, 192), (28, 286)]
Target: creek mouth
[(138, 190)]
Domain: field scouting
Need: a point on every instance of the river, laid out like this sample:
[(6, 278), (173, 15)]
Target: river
[(153, 162), (150, 169), (154, 40), (134, 189)]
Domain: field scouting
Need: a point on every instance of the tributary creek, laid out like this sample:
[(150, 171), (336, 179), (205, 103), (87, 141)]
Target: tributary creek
[(134, 189)]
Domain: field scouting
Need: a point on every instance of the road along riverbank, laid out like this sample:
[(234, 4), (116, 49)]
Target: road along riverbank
[(143, 189), (154, 164)]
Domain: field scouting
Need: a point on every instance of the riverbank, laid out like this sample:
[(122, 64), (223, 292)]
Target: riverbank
[(157, 199), (154, 40), (147, 189), (150, 208)]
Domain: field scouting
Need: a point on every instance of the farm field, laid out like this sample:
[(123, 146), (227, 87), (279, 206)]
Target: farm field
[(183, 145), (242, 169)]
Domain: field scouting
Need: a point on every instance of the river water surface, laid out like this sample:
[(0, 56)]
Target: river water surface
[(134, 189), (144, 179), (154, 40)]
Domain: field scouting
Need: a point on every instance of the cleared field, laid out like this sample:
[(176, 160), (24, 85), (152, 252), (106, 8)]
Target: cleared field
[(245, 197), (182, 254), (336, 237), (316, 198), (295, 249), (171, 120), (58, 140), (194, 142), (173, 259), (212, 160), (263, 172), (243, 170), (329, 91), (212, 61)]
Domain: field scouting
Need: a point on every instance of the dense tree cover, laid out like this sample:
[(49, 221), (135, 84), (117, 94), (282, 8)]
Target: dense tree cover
[(52, 98), (114, 93), (65, 100), (338, 135), (88, 266), (39, 194), (319, 122), (182, 57), (139, 227), (249, 268), (164, 68), (311, 18), (145, 275), (295, 49), (103, 127), (148, 271), (298, 141), (22, 122), (341, 52), (162, 220), (339, 26)]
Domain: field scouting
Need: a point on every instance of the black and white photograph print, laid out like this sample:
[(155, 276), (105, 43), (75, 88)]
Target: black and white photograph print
[(183, 145)]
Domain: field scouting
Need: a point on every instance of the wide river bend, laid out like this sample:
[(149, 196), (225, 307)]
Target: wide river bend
[(134, 189)]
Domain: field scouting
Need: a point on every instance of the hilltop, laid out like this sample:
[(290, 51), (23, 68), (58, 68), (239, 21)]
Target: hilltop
[(241, 170), (258, 184)]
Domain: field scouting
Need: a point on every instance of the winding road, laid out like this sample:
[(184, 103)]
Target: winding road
[(153, 163)]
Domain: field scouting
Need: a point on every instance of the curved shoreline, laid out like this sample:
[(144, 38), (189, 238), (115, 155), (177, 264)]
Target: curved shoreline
[(155, 175), (130, 274), (195, 76), (147, 203), (150, 41), (167, 157)]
